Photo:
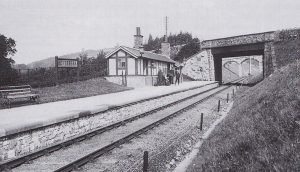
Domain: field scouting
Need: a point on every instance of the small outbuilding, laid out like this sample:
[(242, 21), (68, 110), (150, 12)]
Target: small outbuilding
[(135, 67)]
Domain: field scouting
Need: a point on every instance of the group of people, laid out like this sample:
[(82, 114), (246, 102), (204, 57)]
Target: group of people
[(170, 77)]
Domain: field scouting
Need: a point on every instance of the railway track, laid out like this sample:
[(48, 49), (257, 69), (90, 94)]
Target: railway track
[(25, 159), (174, 112), (158, 119)]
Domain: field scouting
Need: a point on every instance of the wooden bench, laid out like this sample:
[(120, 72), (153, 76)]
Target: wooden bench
[(10, 93)]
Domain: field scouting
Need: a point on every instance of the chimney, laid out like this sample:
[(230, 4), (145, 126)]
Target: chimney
[(138, 39), (165, 47)]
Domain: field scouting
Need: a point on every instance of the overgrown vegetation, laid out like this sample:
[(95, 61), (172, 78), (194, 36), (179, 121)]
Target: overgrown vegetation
[(190, 45), (46, 77), (173, 39), (7, 49), (288, 34), (262, 131), (188, 50), (287, 51), (252, 80)]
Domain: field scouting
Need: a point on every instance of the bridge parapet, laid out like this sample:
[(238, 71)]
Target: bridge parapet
[(239, 40)]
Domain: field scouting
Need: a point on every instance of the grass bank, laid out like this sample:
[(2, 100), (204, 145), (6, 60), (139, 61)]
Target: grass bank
[(261, 132), (91, 87)]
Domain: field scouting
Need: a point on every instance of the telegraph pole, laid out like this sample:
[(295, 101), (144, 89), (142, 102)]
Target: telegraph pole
[(166, 29)]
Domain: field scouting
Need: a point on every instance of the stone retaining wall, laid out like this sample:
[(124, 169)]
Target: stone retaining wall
[(30, 141), (200, 67)]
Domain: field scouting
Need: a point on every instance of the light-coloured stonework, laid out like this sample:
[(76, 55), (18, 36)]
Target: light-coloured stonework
[(199, 67)]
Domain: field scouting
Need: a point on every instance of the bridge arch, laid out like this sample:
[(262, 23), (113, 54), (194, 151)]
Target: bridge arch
[(254, 68), (229, 67), (231, 61), (260, 44), (252, 60)]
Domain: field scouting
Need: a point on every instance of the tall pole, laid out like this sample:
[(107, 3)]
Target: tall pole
[(166, 29)]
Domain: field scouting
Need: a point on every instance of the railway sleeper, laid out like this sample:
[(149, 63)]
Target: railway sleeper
[(142, 131)]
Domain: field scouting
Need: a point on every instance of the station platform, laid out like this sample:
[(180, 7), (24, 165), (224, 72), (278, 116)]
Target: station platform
[(25, 118)]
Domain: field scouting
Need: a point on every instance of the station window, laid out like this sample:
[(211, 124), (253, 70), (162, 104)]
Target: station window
[(122, 63)]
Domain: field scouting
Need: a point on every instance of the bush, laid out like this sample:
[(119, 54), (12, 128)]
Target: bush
[(8, 77), (287, 52), (45, 77), (288, 34)]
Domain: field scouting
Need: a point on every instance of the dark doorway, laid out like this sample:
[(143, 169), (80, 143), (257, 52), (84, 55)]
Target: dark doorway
[(233, 51)]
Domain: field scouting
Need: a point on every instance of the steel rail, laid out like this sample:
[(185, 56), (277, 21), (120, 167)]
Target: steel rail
[(97, 153), (25, 159), (236, 81), (111, 108)]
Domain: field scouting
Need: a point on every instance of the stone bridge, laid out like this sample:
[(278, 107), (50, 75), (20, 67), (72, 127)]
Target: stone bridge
[(261, 44)]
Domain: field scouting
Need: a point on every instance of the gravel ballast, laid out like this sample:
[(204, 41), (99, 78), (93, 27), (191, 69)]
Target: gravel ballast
[(167, 144), (56, 159)]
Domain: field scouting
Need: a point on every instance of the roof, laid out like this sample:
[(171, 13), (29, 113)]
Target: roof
[(145, 54)]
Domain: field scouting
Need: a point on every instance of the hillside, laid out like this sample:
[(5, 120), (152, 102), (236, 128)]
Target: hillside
[(261, 132), (50, 62)]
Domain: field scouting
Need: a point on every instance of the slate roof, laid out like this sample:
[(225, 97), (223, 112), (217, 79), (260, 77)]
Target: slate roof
[(145, 54)]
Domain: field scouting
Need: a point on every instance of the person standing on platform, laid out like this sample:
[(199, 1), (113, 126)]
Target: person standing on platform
[(177, 76)]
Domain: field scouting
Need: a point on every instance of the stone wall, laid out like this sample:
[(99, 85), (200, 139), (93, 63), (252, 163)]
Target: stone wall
[(280, 47), (239, 40), (198, 67), (17, 145), (269, 59)]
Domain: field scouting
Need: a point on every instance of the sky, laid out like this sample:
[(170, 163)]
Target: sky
[(46, 28)]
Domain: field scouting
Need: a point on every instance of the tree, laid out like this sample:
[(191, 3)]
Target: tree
[(188, 50), (190, 45), (7, 49), (173, 39), (83, 57), (102, 61), (149, 45)]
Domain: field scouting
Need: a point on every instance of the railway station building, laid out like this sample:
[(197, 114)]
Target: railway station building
[(135, 67)]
